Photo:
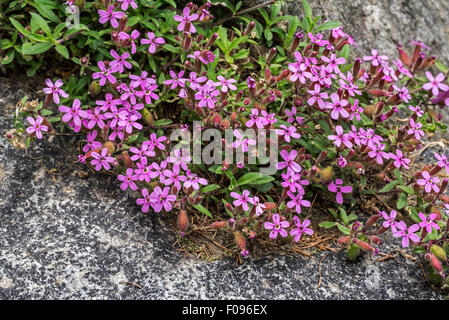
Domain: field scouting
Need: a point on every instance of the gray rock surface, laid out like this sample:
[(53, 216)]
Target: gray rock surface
[(382, 24), (67, 238)]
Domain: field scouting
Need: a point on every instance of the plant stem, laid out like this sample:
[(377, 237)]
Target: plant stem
[(261, 5)]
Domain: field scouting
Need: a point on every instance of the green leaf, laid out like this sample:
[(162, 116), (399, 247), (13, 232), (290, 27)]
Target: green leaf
[(327, 224), (344, 216), (441, 66), (328, 25), (18, 26), (343, 229), (345, 52), (37, 20), (402, 201), (162, 122), (203, 210), (253, 178), (389, 186), (307, 9), (37, 48), (210, 188), (407, 189), (62, 50), (268, 34)]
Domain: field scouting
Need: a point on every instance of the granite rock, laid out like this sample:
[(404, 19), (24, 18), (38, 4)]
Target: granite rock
[(67, 238), (382, 24)]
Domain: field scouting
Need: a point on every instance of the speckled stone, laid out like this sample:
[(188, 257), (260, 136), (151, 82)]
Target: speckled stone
[(382, 24), (69, 238)]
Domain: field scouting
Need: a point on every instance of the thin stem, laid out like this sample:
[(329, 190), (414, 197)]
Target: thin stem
[(261, 5)]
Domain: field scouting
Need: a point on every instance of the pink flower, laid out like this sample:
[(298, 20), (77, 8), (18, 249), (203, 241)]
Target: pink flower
[(109, 103), (207, 95), (333, 62), (102, 160), (128, 180), (300, 228), (161, 199), (145, 201), (186, 20), (356, 111), (399, 159), (226, 84), (36, 126), (390, 220), (435, 84), (194, 181), (339, 189), (277, 227), (406, 234), (378, 153), (317, 96), (111, 16), (130, 39), (288, 132), (292, 116), (176, 80), (427, 222), (442, 161), (120, 61), (297, 202), (241, 141), (173, 177), (155, 142), (105, 74), (91, 144), (375, 58), (415, 129), (429, 182), (153, 42), (75, 113), (403, 93), (338, 107), (289, 161), (180, 158), (340, 138), (126, 3), (55, 90), (242, 200)]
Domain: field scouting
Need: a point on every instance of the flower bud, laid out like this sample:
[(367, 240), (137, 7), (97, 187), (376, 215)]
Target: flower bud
[(240, 241), (183, 222), (110, 146), (438, 252), (94, 89), (147, 116), (364, 245), (403, 56), (271, 54), (212, 40), (249, 28), (270, 206), (127, 159), (436, 264), (326, 174), (219, 224), (344, 239), (376, 240)]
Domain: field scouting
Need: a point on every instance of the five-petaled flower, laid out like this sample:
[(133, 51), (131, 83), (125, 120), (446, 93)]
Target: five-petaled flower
[(338, 188), (429, 183), (36, 126), (301, 228), (428, 222), (102, 160), (242, 200), (277, 227), (407, 234), (435, 84), (55, 90), (186, 20)]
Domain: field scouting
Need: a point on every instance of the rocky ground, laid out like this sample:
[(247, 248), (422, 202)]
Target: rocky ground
[(66, 238)]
